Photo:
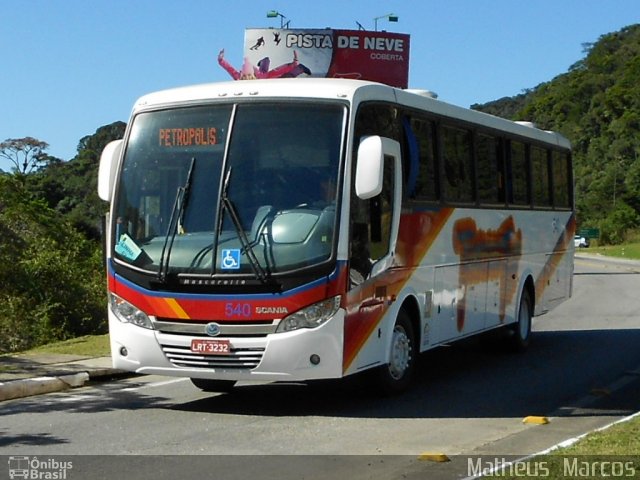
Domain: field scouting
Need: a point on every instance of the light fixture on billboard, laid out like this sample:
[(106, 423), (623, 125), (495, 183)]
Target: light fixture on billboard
[(389, 16), (276, 14)]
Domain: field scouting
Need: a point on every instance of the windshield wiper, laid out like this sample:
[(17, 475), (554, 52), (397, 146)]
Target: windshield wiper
[(175, 222), (247, 247)]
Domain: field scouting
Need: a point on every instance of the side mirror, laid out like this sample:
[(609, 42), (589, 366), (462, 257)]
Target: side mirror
[(370, 167), (108, 166)]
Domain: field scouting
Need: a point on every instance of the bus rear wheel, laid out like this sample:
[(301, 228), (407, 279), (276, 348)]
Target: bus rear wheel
[(217, 386), (520, 332), (396, 375)]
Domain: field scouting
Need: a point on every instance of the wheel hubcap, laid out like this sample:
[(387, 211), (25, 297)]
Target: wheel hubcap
[(400, 353)]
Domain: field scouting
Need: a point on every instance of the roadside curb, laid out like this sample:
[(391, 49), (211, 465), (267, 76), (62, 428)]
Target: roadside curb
[(28, 387)]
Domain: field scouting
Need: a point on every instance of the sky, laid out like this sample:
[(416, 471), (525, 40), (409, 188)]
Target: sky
[(72, 66)]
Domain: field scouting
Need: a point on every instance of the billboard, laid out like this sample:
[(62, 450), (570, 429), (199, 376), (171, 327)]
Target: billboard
[(274, 53)]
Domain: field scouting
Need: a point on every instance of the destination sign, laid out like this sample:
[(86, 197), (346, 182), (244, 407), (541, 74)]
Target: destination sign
[(187, 137)]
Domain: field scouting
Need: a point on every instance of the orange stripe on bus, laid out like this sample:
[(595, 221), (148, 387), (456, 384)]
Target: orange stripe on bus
[(175, 307), (417, 233), (555, 259)]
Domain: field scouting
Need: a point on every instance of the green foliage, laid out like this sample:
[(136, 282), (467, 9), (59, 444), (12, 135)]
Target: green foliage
[(52, 284), (506, 107), (51, 275), (71, 187), (597, 106), (614, 227)]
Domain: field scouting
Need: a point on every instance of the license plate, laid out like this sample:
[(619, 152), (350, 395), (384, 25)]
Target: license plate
[(211, 347)]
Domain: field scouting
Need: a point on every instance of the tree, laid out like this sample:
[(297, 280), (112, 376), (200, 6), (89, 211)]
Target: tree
[(51, 270), (26, 154), (51, 276), (70, 187), (621, 219)]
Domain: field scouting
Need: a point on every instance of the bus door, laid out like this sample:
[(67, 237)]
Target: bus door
[(374, 222)]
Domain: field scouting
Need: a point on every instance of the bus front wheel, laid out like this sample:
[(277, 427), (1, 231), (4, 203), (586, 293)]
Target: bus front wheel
[(396, 375)]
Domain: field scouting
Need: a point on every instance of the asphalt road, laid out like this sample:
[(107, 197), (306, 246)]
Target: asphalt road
[(582, 371)]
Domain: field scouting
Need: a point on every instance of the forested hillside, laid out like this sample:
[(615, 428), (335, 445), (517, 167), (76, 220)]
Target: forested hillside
[(52, 281), (596, 104)]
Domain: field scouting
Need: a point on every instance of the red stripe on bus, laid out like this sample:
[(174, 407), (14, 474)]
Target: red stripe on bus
[(367, 303)]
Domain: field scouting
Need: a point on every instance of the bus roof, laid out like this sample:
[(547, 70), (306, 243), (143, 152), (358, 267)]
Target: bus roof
[(342, 89)]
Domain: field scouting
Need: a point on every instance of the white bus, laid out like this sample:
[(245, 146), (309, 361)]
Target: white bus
[(303, 229)]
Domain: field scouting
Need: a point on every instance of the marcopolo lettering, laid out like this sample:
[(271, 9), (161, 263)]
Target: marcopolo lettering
[(212, 282)]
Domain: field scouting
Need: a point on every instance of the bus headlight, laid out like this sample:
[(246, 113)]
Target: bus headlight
[(311, 316), (127, 313)]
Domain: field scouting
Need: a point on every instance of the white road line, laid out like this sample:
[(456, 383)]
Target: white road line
[(154, 384)]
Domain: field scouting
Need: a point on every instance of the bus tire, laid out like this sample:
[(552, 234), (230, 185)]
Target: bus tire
[(396, 376), (520, 331), (217, 386)]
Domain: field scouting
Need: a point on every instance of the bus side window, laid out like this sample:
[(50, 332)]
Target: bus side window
[(381, 214), (490, 166), (425, 184), (561, 167), (519, 171), (540, 182), (458, 165)]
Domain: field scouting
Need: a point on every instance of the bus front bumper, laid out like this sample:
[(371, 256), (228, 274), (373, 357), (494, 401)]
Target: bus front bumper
[(304, 354)]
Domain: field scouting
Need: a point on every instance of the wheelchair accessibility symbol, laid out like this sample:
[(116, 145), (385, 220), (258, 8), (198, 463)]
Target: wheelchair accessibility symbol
[(230, 259)]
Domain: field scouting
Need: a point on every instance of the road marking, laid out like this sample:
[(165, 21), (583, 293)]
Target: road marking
[(154, 384), (75, 398)]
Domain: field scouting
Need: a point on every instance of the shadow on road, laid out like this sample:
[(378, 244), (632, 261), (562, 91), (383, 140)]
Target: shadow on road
[(473, 379), (30, 439)]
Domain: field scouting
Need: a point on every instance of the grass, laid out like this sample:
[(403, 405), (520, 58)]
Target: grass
[(90, 345), (620, 439), (628, 250), (613, 452)]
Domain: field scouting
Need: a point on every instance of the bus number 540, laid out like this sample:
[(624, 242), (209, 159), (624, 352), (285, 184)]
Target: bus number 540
[(237, 309)]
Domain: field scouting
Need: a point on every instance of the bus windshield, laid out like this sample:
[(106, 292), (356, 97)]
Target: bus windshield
[(229, 189)]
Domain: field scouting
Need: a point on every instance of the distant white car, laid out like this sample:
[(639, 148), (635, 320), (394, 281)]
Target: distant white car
[(580, 242)]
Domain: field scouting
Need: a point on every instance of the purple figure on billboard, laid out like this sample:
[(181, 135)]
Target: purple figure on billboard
[(250, 72)]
